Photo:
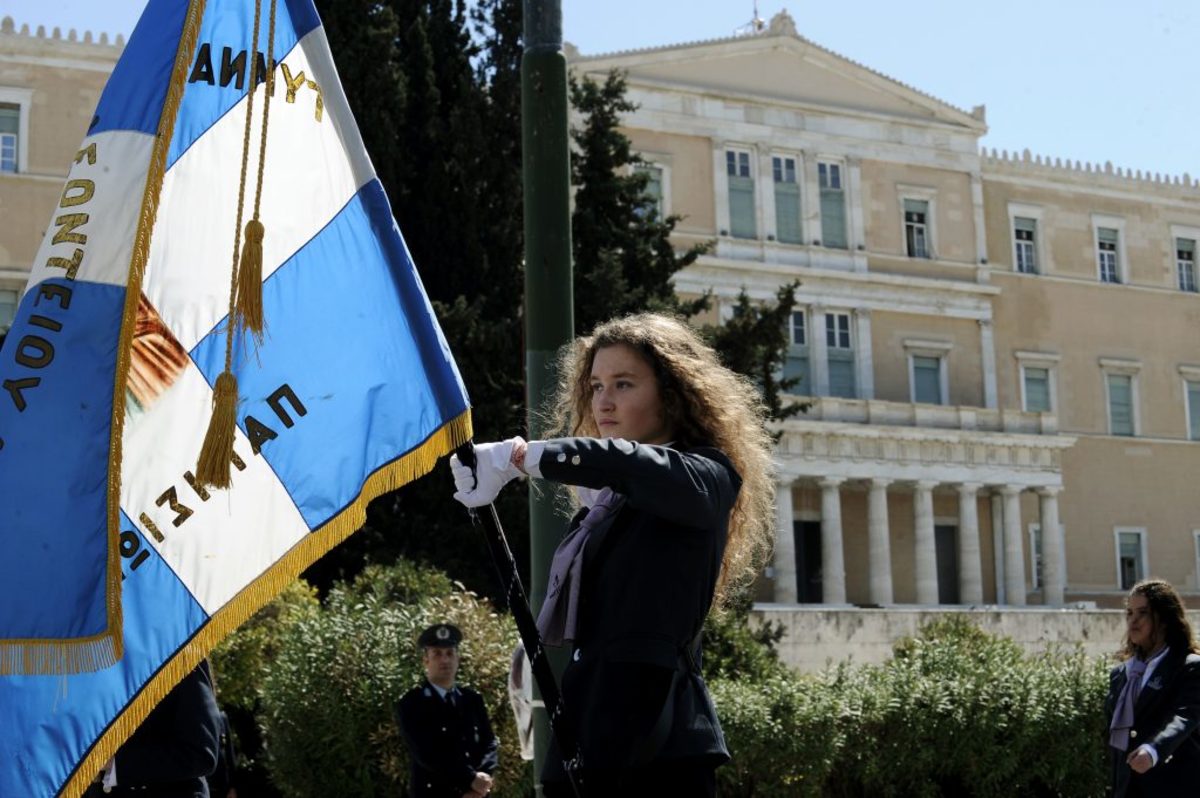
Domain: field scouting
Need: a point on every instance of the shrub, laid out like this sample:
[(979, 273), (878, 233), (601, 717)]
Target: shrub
[(955, 712), (327, 699)]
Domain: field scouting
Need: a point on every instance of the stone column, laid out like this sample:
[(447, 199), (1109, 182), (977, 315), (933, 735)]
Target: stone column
[(833, 566), (785, 546), (764, 193), (998, 544), (720, 186), (864, 358), (1053, 567), (970, 569), (927, 586), (818, 353), (987, 351), (1014, 557), (879, 540)]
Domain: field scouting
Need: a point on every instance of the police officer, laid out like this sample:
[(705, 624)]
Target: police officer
[(450, 742)]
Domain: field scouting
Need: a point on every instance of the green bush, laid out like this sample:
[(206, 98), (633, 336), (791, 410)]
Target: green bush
[(327, 699), (955, 712)]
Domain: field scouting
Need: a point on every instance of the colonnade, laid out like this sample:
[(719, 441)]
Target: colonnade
[(1006, 521)]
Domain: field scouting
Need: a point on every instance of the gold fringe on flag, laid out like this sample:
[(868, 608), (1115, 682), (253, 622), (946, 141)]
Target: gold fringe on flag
[(253, 597)]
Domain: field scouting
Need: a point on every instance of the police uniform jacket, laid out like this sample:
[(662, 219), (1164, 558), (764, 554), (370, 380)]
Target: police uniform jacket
[(632, 687), (448, 743), (1166, 715), (175, 747)]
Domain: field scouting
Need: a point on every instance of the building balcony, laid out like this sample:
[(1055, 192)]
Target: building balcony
[(879, 412)]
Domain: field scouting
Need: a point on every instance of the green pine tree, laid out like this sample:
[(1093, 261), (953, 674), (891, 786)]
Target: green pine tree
[(624, 259), (754, 342)]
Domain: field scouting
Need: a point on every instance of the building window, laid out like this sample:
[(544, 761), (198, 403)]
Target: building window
[(1025, 243), (839, 349), (1037, 389), (652, 194), (1192, 392), (10, 132), (796, 365), (833, 205), (1196, 545), (741, 194), (8, 309), (1120, 404), (927, 380), (916, 228), (1131, 556), (1107, 239), (1185, 263), (787, 200)]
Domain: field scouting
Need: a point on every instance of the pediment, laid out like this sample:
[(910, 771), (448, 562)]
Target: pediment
[(785, 68)]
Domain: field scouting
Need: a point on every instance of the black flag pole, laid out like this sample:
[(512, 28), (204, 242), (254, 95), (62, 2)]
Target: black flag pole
[(531, 639)]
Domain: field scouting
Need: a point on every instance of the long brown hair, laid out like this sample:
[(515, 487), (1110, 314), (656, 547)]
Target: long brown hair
[(1169, 616), (707, 404)]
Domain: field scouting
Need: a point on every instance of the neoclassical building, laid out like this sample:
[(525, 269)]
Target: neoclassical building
[(49, 86), (1000, 352)]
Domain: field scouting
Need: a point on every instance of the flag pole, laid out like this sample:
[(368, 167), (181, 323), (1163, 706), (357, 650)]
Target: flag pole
[(518, 604), (549, 297)]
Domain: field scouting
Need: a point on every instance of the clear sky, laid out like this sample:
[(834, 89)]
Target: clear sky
[(1089, 80)]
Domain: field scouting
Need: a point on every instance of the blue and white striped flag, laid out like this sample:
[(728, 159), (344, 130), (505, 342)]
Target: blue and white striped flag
[(121, 572)]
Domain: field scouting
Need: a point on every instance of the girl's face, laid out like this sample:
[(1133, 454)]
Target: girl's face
[(625, 398), (1139, 623)]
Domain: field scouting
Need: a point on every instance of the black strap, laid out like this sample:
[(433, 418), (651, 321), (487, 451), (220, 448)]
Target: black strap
[(654, 741)]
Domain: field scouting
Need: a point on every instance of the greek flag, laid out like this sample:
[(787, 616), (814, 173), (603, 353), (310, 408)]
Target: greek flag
[(121, 569)]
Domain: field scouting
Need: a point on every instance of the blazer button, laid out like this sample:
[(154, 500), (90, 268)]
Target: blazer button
[(575, 656), (562, 458), (575, 460), (1133, 733)]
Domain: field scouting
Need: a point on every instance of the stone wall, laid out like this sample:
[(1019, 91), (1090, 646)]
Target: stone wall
[(816, 637)]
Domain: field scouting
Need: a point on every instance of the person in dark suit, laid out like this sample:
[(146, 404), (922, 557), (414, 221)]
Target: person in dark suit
[(670, 459), (1153, 702), (174, 749), (451, 746)]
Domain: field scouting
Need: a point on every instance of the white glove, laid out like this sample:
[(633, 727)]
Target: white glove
[(493, 470)]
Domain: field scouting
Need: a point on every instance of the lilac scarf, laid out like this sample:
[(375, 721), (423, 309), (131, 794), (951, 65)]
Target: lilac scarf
[(560, 612), (1122, 719)]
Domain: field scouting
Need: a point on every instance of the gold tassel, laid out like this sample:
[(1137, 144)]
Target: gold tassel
[(216, 455), (249, 289)]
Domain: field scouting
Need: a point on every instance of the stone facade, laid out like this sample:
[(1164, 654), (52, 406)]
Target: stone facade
[(992, 345), (49, 86)]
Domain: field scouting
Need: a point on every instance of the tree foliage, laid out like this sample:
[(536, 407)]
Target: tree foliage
[(754, 342), (624, 258)]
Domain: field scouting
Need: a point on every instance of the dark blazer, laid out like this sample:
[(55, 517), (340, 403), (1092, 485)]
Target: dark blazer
[(447, 745), (175, 747), (632, 687), (1166, 715)]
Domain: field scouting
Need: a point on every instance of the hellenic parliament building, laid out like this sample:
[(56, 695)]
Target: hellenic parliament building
[(999, 351)]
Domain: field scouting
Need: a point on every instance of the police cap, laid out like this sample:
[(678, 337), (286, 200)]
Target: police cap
[(440, 635)]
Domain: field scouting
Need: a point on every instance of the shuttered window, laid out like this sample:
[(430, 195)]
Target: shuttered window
[(741, 194), (1037, 390), (787, 200), (1120, 404), (927, 380), (833, 205)]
